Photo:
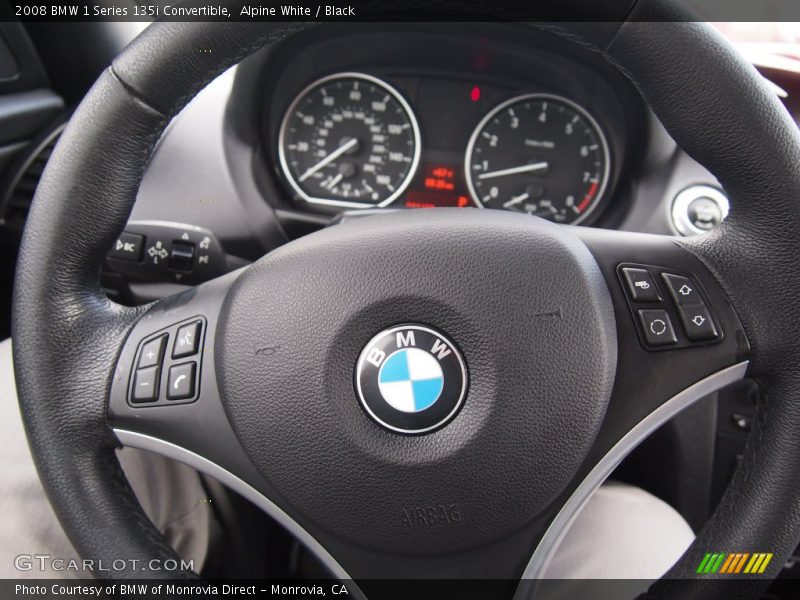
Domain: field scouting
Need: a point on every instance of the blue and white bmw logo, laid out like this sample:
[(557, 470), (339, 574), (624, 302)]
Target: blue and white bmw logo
[(411, 379)]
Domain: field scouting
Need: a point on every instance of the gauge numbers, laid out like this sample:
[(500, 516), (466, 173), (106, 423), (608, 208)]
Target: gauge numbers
[(539, 154), (349, 140)]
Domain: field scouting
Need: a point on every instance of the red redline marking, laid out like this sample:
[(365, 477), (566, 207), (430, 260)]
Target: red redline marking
[(587, 198)]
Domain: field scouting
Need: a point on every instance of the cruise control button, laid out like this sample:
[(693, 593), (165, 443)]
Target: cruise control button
[(641, 285), (682, 289), (697, 323), (181, 381), (187, 340), (145, 385), (152, 352), (657, 327)]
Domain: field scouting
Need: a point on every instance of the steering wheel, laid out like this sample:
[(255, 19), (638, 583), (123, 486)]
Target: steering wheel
[(564, 366)]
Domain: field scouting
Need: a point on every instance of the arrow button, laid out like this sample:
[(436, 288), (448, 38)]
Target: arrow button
[(682, 289), (697, 323)]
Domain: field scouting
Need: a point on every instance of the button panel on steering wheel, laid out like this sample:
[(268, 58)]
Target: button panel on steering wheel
[(168, 364), (656, 318)]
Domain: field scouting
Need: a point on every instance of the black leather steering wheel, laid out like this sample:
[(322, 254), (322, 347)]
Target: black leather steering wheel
[(276, 413)]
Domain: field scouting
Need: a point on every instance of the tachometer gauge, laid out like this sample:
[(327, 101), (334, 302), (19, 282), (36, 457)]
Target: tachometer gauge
[(349, 140), (538, 154)]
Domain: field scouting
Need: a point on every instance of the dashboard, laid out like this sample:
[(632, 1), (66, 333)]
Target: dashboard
[(342, 120), (463, 115)]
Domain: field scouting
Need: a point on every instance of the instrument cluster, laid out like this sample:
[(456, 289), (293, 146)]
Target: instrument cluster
[(483, 116), (352, 140)]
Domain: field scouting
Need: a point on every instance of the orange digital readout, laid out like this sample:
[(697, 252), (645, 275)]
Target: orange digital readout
[(440, 179)]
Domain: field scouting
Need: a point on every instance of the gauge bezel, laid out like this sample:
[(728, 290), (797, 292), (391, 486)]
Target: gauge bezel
[(412, 171), (539, 96)]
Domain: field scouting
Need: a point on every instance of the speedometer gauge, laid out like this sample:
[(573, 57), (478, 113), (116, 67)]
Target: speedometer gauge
[(538, 154), (349, 140)]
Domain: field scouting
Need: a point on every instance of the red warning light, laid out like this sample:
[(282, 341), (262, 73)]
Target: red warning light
[(475, 94)]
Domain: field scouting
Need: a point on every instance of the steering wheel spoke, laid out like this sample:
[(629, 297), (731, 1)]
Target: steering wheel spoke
[(679, 341), (165, 399), (164, 384), (675, 324)]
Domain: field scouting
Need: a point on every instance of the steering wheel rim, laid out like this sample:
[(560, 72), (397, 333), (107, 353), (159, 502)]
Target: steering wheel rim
[(61, 315)]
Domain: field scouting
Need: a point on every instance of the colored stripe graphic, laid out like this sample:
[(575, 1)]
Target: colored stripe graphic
[(703, 563), (718, 563), (734, 563), (729, 562), (758, 563), (741, 562), (711, 563)]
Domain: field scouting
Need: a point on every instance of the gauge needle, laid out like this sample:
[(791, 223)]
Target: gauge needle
[(333, 181), (516, 200), (513, 170), (329, 159)]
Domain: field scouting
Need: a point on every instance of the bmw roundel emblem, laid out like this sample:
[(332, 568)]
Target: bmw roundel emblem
[(411, 379)]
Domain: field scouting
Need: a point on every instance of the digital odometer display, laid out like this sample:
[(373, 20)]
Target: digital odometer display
[(349, 140), (538, 154)]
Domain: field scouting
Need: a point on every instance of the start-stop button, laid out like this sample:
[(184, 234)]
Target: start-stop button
[(698, 209)]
